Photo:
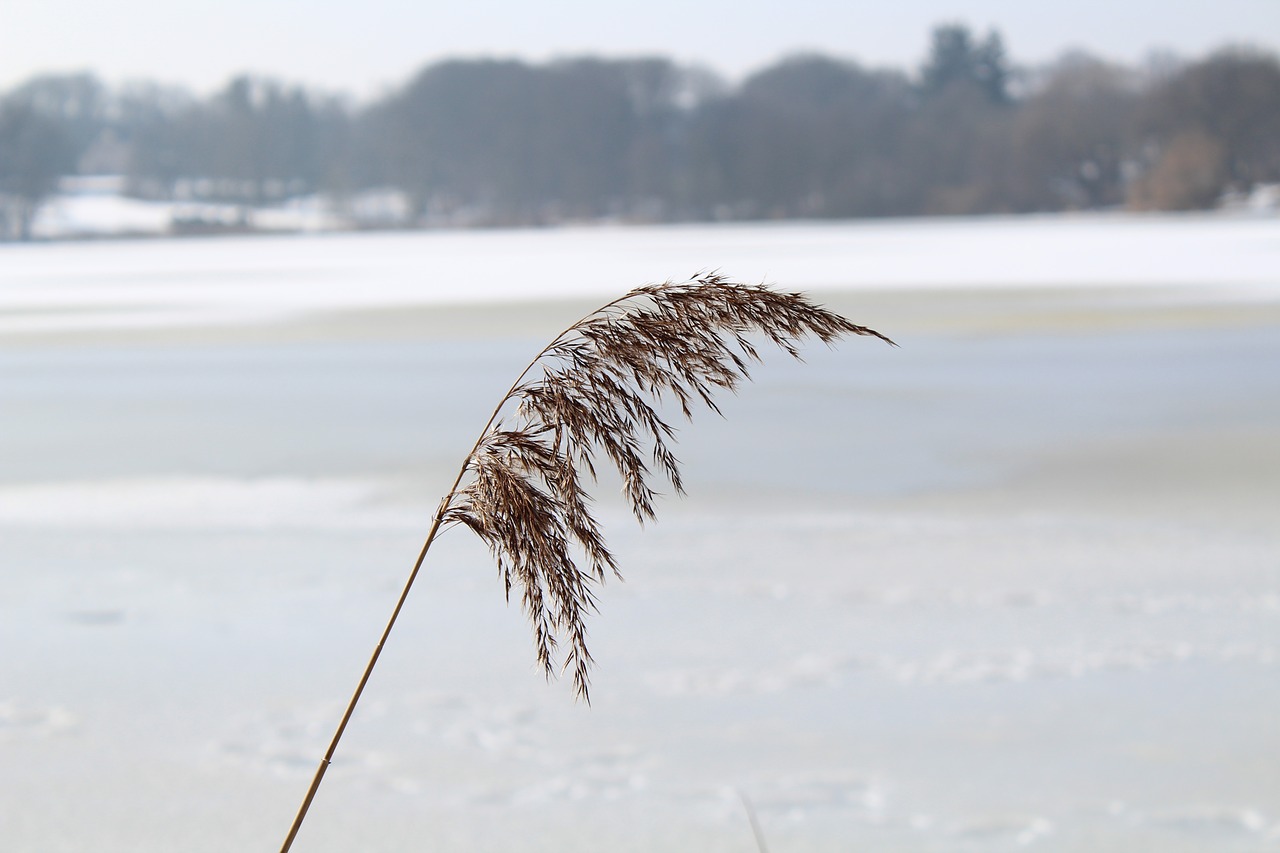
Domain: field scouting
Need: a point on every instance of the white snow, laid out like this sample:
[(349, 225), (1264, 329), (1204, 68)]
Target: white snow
[(236, 280), (203, 503)]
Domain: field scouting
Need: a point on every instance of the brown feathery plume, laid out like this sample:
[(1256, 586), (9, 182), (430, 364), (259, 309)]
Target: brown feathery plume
[(594, 393)]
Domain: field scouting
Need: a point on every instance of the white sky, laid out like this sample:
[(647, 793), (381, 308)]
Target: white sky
[(364, 46)]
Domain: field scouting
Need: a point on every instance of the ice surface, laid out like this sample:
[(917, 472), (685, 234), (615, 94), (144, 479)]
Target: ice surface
[(255, 279), (1015, 585)]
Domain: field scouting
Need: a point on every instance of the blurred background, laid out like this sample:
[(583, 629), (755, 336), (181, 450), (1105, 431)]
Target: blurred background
[(265, 269), (1149, 109)]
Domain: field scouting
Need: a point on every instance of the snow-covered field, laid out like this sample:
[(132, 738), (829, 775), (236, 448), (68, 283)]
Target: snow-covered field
[(1013, 585), (125, 284)]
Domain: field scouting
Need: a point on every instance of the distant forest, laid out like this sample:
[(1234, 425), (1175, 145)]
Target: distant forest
[(496, 142)]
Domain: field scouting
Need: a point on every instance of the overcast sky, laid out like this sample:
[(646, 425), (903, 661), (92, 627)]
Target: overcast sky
[(364, 46)]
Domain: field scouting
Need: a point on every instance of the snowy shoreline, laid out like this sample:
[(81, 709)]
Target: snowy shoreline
[(265, 279)]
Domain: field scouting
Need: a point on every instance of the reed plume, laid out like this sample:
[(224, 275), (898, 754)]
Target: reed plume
[(595, 395)]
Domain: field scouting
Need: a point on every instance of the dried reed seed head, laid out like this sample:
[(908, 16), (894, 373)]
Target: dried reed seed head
[(594, 392)]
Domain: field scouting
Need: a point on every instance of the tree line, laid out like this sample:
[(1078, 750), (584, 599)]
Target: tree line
[(502, 142)]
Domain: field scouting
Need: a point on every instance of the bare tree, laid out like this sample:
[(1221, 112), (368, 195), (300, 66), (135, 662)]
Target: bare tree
[(35, 151)]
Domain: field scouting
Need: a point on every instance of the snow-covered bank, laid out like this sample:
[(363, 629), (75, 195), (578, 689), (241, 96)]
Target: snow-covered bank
[(95, 207), (237, 280)]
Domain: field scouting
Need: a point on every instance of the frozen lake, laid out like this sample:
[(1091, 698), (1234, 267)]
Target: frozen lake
[(1015, 584), (199, 282)]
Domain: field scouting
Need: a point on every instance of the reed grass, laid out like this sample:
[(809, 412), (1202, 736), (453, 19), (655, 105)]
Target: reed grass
[(596, 395)]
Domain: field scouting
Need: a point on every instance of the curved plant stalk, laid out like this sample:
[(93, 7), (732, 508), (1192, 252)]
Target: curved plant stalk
[(594, 393), (756, 832)]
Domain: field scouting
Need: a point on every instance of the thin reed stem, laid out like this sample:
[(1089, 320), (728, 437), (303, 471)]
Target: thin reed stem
[(436, 523), (756, 831), (355, 697)]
